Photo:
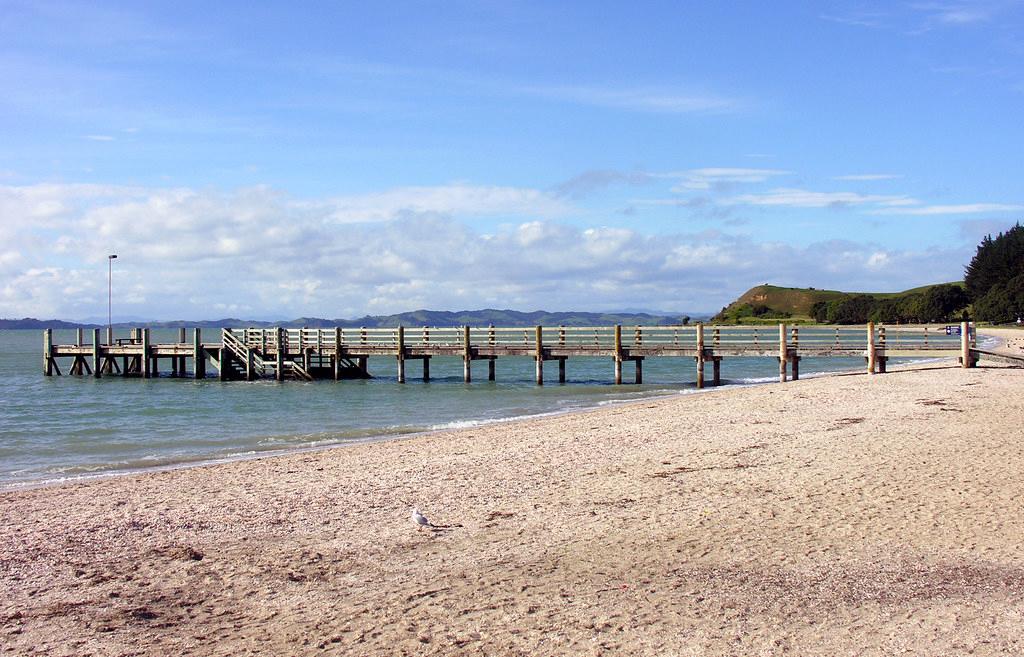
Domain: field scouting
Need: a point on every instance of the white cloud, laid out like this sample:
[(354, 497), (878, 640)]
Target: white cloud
[(98, 137), (641, 99), (456, 199), (258, 252), (706, 178), (965, 208), (869, 176), (802, 198)]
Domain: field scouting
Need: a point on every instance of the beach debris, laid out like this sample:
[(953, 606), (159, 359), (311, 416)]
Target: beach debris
[(420, 519)]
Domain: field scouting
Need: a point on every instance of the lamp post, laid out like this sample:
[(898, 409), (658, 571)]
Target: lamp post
[(110, 271)]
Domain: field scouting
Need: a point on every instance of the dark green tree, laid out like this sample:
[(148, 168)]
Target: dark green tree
[(992, 275)]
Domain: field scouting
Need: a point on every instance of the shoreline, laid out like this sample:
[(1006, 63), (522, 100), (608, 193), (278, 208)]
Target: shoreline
[(837, 515), (393, 436)]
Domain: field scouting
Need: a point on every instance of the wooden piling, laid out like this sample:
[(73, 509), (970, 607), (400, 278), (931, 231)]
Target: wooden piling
[(539, 354), (491, 367), (97, 355), (965, 345), (716, 372), (872, 356), (467, 356), (225, 360), (401, 354), (282, 349), (639, 363), (426, 369), (47, 352), (337, 353), (561, 370), (783, 354), (198, 354), (146, 355), (618, 355), (700, 355)]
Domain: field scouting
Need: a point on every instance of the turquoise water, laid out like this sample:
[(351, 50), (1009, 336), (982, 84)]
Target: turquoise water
[(61, 427)]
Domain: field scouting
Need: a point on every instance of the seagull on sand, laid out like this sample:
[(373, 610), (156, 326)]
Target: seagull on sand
[(420, 519)]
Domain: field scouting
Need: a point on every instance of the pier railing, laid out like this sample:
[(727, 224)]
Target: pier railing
[(811, 339), (309, 353)]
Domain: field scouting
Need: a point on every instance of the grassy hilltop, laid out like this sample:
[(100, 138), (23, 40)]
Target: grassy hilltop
[(771, 303)]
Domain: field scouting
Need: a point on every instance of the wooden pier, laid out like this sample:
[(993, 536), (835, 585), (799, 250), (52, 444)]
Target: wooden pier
[(309, 354)]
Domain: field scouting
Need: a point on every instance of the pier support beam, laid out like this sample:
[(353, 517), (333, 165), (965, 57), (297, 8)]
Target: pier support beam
[(97, 365), (783, 353), (794, 366), (966, 360), (618, 354), (716, 371), (491, 368), (467, 356), (700, 355), (639, 362), (198, 354), (871, 348), (401, 354), (146, 355), (426, 369), (337, 353), (561, 370), (363, 364), (539, 354), (47, 352), (282, 348)]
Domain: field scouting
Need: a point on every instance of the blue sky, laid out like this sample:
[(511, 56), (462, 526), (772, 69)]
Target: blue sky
[(348, 158)]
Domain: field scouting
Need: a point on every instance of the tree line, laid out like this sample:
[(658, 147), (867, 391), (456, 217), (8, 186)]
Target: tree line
[(995, 277), (939, 303)]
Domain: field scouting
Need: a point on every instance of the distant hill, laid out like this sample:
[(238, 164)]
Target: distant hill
[(772, 303), (510, 318), (31, 323)]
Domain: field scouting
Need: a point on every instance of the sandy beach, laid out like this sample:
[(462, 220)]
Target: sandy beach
[(847, 515)]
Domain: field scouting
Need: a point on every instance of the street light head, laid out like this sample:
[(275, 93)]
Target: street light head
[(111, 257)]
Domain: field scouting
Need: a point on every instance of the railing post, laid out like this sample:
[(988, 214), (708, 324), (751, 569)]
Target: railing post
[(97, 357), (783, 355), (700, 354), (618, 354), (871, 347), (198, 354), (561, 336), (401, 354), (539, 354), (47, 352), (467, 356)]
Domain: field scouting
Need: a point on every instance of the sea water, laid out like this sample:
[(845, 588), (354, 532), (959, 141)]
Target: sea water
[(66, 427)]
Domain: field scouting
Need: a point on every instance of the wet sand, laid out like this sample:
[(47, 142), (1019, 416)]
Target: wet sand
[(848, 515)]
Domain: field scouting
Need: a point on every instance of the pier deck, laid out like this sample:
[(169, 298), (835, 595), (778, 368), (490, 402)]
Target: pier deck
[(342, 353)]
